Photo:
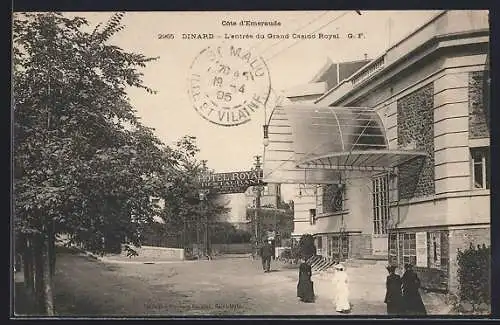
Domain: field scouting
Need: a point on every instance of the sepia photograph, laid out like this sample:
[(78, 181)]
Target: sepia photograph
[(250, 164)]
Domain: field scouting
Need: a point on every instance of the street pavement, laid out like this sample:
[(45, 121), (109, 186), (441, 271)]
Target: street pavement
[(225, 286)]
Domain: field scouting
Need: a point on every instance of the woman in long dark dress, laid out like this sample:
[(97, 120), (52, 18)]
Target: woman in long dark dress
[(412, 302), (393, 293), (305, 290)]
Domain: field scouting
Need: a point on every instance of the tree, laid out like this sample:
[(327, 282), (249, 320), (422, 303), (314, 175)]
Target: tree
[(184, 213), (226, 233), (279, 220), (84, 165)]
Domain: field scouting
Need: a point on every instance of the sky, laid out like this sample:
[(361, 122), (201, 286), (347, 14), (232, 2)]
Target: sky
[(290, 62)]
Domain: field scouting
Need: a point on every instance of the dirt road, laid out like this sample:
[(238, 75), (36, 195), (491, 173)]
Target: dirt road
[(230, 286)]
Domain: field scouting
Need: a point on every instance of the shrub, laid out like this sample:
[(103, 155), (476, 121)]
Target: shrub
[(306, 246), (474, 275)]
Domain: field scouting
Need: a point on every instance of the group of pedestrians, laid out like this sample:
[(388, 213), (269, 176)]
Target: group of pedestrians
[(339, 285), (402, 292), (402, 296)]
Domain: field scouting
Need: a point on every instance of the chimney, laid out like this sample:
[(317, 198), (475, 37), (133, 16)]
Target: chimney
[(366, 56)]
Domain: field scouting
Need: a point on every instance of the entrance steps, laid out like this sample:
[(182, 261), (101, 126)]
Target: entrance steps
[(321, 263)]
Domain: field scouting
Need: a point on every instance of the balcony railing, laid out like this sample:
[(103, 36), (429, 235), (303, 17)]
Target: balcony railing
[(367, 72)]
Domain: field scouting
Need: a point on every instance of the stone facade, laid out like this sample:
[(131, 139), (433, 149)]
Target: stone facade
[(415, 116), (478, 105)]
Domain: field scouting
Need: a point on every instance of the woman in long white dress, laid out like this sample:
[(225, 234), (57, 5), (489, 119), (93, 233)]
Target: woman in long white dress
[(341, 287)]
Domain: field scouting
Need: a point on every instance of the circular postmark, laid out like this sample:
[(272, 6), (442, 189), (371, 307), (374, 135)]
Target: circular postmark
[(228, 84)]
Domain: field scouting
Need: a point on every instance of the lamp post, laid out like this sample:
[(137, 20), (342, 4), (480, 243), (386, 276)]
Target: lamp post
[(342, 222), (265, 142), (202, 195), (203, 198), (258, 190)]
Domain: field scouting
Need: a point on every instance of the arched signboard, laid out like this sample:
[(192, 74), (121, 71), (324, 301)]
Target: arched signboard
[(233, 182)]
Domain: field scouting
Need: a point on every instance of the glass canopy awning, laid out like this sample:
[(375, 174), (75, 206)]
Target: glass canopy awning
[(339, 138), (372, 160)]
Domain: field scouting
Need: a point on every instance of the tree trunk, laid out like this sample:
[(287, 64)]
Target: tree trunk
[(52, 249), (29, 274), (38, 249), (47, 276), (198, 238), (184, 241), (28, 265)]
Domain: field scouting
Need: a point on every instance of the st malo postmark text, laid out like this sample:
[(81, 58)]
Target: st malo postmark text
[(228, 84)]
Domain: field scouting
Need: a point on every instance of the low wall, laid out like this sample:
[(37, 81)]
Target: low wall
[(158, 253), (244, 248)]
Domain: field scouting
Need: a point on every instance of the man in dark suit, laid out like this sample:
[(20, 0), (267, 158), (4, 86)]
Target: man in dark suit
[(266, 252)]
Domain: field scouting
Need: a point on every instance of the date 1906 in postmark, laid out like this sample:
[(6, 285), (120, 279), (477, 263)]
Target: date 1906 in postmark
[(228, 84)]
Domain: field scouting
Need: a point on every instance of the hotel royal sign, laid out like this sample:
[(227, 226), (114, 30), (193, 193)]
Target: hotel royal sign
[(233, 182)]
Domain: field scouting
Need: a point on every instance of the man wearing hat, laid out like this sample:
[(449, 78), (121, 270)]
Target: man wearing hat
[(393, 291), (266, 252)]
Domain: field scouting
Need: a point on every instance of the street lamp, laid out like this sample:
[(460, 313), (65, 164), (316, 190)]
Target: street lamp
[(266, 125), (266, 134)]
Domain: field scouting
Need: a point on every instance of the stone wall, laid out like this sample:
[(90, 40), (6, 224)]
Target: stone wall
[(478, 106), (415, 116), (461, 239)]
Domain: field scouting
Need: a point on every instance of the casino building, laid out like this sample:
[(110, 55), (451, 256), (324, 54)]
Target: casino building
[(392, 162)]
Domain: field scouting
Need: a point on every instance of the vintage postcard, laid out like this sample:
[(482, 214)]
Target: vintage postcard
[(251, 163)]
